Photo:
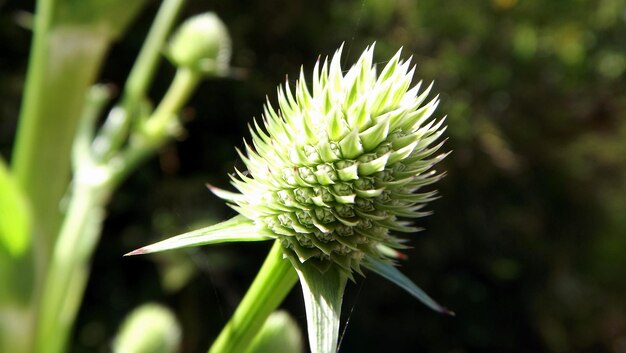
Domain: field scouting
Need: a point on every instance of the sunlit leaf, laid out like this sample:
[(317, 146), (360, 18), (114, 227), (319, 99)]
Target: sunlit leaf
[(235, 229)]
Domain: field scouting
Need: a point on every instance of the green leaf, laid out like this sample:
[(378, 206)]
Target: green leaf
[(391, 273), (323, 295), (235, 229), (15, 216)]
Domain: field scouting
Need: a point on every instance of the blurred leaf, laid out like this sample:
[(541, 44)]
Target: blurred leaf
[(525, 41), (15, 217)]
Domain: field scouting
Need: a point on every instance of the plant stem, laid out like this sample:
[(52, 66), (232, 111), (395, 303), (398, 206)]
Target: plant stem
[(274, 281), (115, 129), (58, 77), (68, 272), (158, 128), (63, 287), (93, 184), (176, 96), (142, 72)]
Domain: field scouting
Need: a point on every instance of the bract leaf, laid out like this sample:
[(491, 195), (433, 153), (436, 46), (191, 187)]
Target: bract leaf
[(394, 275), (235, 229), (15, 216), (323, 295)]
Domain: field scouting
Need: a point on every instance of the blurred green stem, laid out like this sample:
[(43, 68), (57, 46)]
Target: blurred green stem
[(274, 281), (115, 131), (69, 268), (160, 126), (64, 62), (67, 274), (94, 181), (65, 260), (142, 72), (181, 88)]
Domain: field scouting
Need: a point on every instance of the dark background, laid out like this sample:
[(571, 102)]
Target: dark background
[(527, 243)]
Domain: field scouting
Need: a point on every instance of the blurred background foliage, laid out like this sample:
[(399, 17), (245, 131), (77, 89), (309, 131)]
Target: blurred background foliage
[(528, 242)]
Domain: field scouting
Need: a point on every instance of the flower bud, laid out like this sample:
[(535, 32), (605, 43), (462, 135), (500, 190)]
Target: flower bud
[(280, 333), (151, 328), (202, 44)]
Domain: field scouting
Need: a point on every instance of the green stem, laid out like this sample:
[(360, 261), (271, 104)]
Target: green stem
[(33, 91), (142, 72), (64, 63), (158, 128), (93, 184), (275, 280), (63, 287), (68, 271), (115, 129), (176, 96), (66, 53)]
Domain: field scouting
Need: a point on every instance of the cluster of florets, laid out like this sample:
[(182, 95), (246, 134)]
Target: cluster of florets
[(337, 168)]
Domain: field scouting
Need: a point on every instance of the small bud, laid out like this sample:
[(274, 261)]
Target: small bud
[(151, 328), (280, 333), (202, 44)]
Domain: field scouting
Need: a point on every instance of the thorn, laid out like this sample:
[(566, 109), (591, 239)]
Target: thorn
[(139, 251), (401, 256), (447, 311)]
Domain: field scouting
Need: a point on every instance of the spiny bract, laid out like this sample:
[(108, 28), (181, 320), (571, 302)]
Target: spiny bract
[(338, 165)]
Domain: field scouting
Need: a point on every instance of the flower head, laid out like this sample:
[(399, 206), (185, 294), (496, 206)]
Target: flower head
[(335, 170), (334, 175)]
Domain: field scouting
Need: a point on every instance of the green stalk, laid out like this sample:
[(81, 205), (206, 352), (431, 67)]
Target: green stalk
[(58, 77), (69, 268), (142, 72), (70, 40), (176, 96), (158, 128), (54, 90), (93, 184), (67, 274), (115, 131), (275, 280)]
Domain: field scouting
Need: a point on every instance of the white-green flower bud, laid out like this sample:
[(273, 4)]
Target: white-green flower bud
[(151, 328), (343, 160), (202, 44)]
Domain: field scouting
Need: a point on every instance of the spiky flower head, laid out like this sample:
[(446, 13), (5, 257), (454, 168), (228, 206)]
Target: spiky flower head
[(334, 173)]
